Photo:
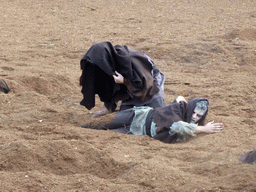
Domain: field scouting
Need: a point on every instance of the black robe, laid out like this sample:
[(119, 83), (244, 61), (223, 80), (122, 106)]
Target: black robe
[(99, 64), (164, 117)]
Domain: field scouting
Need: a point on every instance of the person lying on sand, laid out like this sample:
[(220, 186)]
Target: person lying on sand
[(4, 87), (249, 157), (117, 73), (172, 123)]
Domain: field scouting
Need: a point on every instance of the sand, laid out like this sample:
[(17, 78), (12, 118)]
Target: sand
[(206, 48)]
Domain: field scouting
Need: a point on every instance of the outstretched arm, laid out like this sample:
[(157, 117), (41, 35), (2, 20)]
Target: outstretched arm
[(210, 127), (181, 131)]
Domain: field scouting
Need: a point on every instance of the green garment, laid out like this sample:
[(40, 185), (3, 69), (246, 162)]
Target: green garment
[(138, 125), (183, 129)]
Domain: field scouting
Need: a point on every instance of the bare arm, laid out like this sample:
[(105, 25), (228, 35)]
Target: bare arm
[(210, 127)]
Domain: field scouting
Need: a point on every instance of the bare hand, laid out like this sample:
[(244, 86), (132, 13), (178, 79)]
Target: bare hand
[(212, 127), (180, 98), (118, 78)]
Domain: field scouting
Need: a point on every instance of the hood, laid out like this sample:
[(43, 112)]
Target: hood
[(190, 109)]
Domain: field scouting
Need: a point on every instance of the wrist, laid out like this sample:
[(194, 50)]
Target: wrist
[(200, 129)]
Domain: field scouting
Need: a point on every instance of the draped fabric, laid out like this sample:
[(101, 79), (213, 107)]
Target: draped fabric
[(164, 117), (99, 64)]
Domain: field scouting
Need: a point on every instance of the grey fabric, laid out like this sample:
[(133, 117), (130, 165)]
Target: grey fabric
[(138, 125), (156, 101), (123, 119), (249, 156)]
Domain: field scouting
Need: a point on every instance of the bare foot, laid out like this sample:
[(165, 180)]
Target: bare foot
[(101, 112)]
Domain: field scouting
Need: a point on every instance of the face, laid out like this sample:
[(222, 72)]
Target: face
[(197, 115)]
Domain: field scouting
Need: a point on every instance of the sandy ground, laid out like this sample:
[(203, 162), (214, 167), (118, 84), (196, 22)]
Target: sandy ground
[(206, 48)]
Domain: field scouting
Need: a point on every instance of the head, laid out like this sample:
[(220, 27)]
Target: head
[(199, 111)]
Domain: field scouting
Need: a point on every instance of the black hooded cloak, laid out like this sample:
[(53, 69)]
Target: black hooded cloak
[(99, 64)]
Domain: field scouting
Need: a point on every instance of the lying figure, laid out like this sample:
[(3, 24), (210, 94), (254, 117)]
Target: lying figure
[(172, 123)]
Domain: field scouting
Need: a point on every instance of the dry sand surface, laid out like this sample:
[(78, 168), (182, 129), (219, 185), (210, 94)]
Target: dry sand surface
[(206, 48)]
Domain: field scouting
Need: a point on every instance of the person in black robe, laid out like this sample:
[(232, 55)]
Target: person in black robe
[(4, 87), (174, 122), (142, 85)]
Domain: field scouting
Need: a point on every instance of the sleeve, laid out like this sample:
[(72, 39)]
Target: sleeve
[(179, 131), (182, 128)]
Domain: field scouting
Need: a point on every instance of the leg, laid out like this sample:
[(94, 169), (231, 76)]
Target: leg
[(104, 111), (122, 119), (121, 130), (125, 107), (157, 102)]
